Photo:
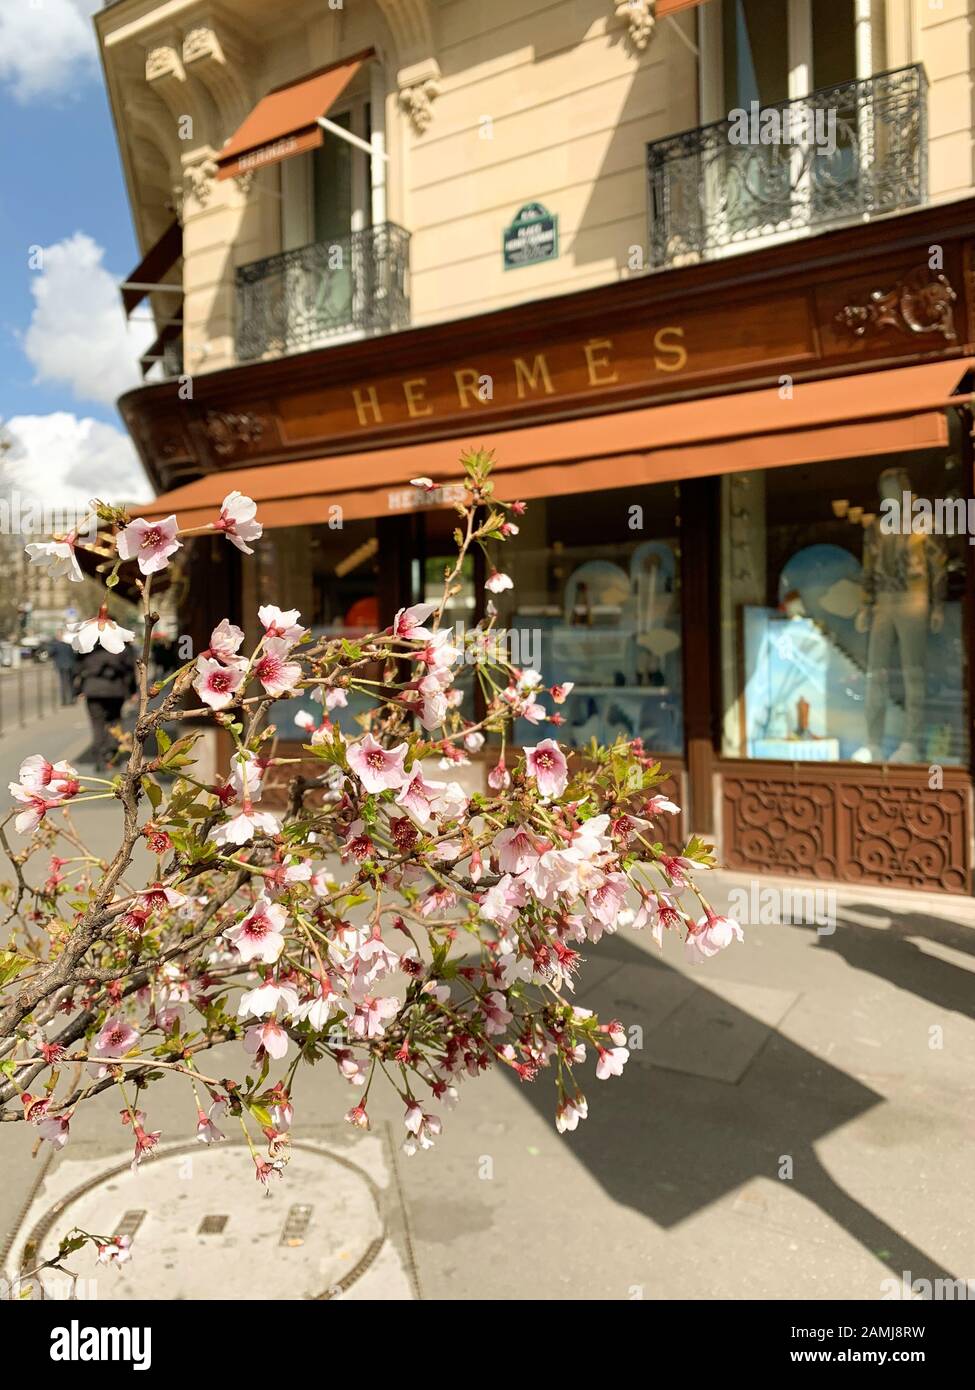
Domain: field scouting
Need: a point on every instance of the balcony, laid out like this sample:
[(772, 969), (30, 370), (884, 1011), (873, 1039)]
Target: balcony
[(351, 286), (840, 154)]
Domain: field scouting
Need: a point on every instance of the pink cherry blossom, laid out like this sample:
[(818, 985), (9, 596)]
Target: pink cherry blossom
[(499, 778), (225, 640), (242, 827), (267, 999), (496, 1016), (57, 556), (611, 1062), (215, 683), (117, 1037), (259, 935), (117, 1252), (274, 671), (102, 630), (408, 622), (206, 1130), (377, 768), (269, 1037), (419, 797), (516, 850), (238, 521), (421, 1129), (333, 697), (55, 1129), (151, 543), (371, 1016), (547, 764), (607, 901), (280, 623), (711, 934), (497, 582), (570, 1112), (36, 772), (38, 802), (659, 803)]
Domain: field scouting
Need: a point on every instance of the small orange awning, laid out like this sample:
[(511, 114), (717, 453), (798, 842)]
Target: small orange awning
[(285, 122), (863, 415), (666, 7)]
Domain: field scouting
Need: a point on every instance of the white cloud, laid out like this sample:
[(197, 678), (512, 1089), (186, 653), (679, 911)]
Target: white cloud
[(78, 335), (64, 461), (46, 46)]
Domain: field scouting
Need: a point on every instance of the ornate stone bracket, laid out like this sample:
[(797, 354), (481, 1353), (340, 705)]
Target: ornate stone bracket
[(419, 86), (218, 57), (198, 180), (639, 16), (920, 304)]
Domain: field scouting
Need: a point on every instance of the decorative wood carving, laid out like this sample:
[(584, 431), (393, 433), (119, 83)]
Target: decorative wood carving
[(230, 433), (922, 303), (857, 825)]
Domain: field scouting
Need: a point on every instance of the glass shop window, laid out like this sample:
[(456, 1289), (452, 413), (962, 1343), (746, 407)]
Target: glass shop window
[(331, 576), (596, 602), (843, 611)]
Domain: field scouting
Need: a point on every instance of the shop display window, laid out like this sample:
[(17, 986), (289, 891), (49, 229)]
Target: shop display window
[(843, 611), (331, 576), (596, 602)]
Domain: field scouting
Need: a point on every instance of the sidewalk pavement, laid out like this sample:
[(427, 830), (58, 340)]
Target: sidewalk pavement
[(795, 1121)]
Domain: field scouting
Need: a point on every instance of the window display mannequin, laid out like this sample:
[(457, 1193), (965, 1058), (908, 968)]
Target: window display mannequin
[(904, 583)]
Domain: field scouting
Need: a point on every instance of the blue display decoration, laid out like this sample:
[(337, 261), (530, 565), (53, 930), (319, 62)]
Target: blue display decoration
[(532, 237)]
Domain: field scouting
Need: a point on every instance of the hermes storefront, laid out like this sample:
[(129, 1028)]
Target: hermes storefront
[(708, 455)]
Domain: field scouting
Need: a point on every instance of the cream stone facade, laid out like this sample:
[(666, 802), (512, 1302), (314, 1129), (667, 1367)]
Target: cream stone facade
[(480, 108)]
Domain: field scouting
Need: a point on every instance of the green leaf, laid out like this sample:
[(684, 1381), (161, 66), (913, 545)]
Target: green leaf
[(11, 965)]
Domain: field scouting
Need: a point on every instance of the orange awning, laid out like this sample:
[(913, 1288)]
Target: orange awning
[(285, 122), (666, 7), (864, 415)]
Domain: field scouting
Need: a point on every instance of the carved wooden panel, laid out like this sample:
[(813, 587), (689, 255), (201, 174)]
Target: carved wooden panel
[(858, 825)]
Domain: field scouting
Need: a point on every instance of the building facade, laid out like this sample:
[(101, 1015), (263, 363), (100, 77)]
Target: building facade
[(701, 274)]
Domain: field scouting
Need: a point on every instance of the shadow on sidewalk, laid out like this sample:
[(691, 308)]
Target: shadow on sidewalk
[(669, 1141), (886, 951)]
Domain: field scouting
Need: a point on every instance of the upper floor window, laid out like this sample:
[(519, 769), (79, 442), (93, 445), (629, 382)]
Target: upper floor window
[(772, 50)]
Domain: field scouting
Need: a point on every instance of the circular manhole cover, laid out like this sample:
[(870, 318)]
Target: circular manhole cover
[(203, 1228)]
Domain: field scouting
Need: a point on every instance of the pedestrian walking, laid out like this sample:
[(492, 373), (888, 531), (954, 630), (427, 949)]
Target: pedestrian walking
[(64, 659), (106, 680)]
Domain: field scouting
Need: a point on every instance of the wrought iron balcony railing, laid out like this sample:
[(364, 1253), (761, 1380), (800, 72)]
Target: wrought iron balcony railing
[(299, 299), (839, 154)]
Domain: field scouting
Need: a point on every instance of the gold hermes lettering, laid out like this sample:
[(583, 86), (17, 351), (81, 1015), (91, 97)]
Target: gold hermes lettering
[(364, 401), (597, 350), (530, 377), (678, 359), (413, 391), (467, 380)]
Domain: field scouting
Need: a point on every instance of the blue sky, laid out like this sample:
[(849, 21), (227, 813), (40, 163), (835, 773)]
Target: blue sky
[(65, 351)]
